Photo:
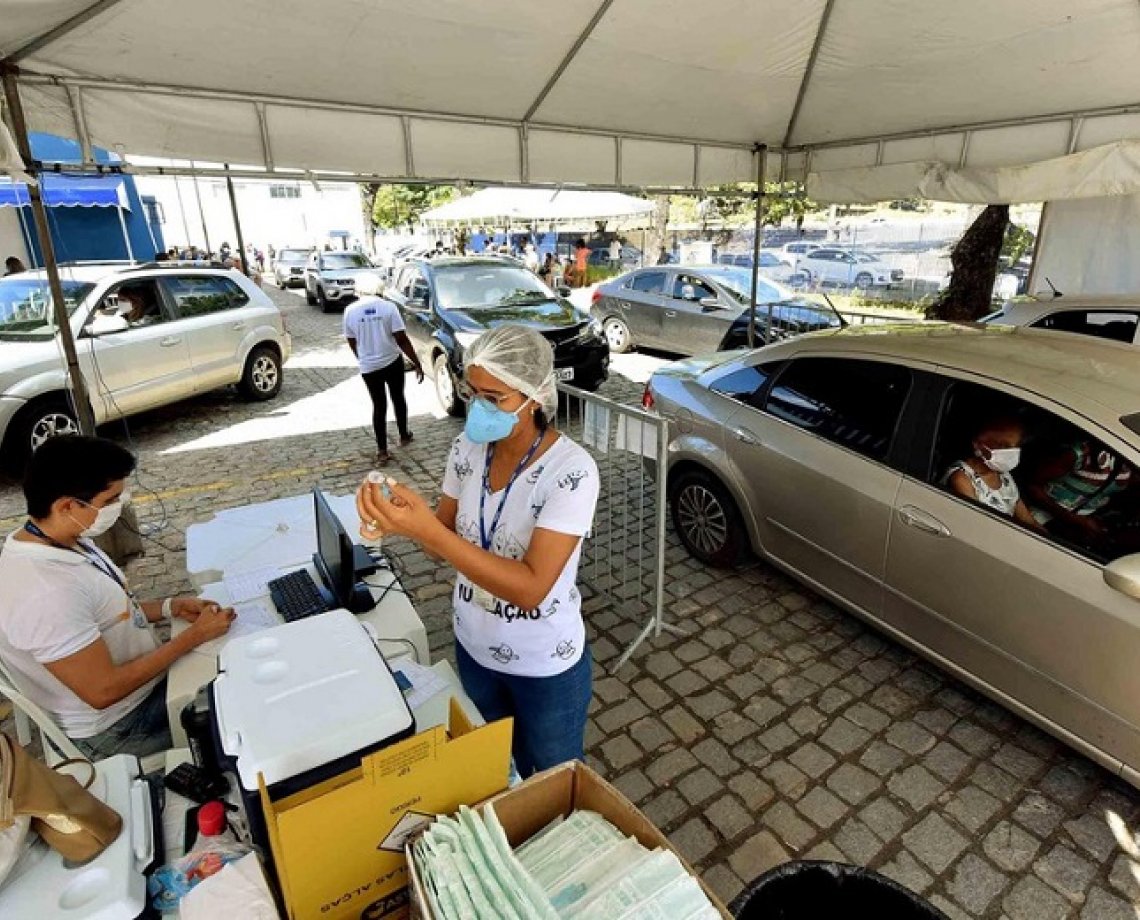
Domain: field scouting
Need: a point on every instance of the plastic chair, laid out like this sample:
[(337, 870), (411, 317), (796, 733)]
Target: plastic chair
[(56, 745)]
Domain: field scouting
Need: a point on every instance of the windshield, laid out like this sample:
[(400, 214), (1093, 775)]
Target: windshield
[(863, 257), (738, 283), (26, 307), (803, 316), (345, 260), (466, 286), (292, 255)]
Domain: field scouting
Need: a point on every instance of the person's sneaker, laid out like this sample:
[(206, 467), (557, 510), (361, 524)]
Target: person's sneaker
[(406, 439)]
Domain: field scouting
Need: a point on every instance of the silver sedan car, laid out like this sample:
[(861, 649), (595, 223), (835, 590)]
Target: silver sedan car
[(832, 456)]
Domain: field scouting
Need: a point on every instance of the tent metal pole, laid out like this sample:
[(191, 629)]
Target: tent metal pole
[(126, 235), (182, 209), (83, 411), (201, 213), (758, 228), (237, 224)]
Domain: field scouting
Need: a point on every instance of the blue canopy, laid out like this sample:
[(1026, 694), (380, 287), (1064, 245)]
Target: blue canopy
[(69, 192)]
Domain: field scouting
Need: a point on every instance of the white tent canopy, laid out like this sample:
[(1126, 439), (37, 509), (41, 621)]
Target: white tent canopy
[(544, 206), (605, 93)]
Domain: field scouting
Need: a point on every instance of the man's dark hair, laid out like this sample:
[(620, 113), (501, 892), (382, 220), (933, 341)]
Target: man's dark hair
[(72, 466)]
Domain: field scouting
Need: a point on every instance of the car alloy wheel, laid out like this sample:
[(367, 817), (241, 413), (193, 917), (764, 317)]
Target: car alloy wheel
[(51, 424), (702, 518), (617, 335), (864, 280), (263, 374)]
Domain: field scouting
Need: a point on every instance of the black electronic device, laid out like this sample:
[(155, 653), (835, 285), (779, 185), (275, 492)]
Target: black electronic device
[(296, 596), (336, 560), (196, 784)]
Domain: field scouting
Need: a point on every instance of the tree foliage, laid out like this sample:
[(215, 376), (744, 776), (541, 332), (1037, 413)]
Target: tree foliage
[(400, 205), (1017, 244)]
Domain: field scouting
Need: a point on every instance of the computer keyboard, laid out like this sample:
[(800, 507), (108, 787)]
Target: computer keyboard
[(296, 596)]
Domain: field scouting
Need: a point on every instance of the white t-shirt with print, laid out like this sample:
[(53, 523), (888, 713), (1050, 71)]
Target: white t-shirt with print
[(55, 603), (558, 492), (373, 323)]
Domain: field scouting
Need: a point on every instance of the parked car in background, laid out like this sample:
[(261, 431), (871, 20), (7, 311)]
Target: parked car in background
[(289, 267), (600, 255), (685, 309), (791, 253), (330, 278), (1114, 318), (847, 268), (447, 302), (828, 455), (770, 266), (146, 336)]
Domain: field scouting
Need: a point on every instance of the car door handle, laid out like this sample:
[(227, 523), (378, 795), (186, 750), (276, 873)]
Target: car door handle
[(745, 437), (170, 341), (920, 520), (238, 325), (670, 312)]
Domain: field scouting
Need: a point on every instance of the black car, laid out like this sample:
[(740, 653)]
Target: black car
[(448, 302)]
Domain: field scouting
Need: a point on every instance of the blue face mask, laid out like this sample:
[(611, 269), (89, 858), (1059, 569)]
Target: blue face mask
[(487, 423)]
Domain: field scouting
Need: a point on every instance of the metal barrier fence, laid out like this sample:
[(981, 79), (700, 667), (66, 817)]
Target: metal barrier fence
[(623, 558)]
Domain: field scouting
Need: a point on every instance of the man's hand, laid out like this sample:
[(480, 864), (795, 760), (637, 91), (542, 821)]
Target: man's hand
[(213, 621), (419, 372), (189, 608)]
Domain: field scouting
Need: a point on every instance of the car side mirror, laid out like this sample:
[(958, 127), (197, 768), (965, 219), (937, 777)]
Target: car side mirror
[(107, 323), (710, 303), (564, 291), (1123, 575)]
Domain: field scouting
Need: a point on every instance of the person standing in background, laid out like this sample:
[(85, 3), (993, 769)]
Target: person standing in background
[(615, 254), (375, 333), (581, 261)]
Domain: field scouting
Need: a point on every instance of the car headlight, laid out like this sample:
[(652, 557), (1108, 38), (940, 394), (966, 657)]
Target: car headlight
[(466, 339), (594, 328)]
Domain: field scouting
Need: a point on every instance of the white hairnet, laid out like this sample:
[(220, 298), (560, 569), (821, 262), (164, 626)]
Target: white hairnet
[(522, 359)]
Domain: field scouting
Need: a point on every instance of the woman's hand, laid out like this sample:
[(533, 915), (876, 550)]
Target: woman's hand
[(404, 513)]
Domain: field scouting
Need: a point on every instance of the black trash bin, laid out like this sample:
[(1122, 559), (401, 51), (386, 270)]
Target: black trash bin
[(818, 890)]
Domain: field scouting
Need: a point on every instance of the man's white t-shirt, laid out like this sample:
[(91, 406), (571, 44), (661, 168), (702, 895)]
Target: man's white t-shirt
[(558, 492), (373, 322), (55, 603)]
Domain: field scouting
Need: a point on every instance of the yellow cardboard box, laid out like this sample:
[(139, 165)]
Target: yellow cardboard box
[(338, 846)]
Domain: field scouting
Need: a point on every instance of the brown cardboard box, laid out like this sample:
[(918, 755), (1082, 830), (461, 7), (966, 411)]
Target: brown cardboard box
[(530, 806), (338, 846)]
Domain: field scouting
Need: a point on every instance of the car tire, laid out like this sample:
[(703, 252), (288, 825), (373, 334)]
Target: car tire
[(262, 376), (309, 298), (325, 303), (707, 520), (445, 388), (35, 424), (864, 280), (617, 335)]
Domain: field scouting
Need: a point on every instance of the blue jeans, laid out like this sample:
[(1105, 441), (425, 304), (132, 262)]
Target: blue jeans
[(549, 712), (142, 731)]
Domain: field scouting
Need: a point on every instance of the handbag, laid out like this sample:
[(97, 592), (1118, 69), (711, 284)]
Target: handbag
[(70, 819)]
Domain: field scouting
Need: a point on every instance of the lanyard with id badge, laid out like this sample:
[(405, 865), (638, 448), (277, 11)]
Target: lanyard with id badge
[(481, 596), (138, 615)]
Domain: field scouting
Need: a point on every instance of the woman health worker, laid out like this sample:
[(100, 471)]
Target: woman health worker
[(518, 497)]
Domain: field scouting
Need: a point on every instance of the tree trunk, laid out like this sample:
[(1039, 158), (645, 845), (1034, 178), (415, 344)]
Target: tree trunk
[(368, 192), (974, 264), (656, 237)]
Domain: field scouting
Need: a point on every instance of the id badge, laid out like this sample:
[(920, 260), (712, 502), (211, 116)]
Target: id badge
[(138, 615), (481, 597)]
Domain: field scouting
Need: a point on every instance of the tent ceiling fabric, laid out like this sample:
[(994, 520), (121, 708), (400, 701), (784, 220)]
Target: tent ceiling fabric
[(610, 93)]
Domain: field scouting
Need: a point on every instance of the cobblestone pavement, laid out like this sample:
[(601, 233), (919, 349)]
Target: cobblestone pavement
[(779, 728)]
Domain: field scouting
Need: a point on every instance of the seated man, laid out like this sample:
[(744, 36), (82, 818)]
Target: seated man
[(72, 635), (985, 477)]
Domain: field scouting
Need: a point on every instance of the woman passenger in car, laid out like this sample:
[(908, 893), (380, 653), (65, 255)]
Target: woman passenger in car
[(985, 477)]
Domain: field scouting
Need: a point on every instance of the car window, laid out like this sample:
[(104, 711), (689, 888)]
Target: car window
[(200, 295), (338, 260), (412, 284), (648, 282), (26, 308), (690, 287), (1081, 493), (851, 402), (1117, 325), (138, 302), (746, 384), (482, 285)]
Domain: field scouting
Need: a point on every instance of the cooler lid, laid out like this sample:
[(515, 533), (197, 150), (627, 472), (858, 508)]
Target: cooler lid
[(300, 695)]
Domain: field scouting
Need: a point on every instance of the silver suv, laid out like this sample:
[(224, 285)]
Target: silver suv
[(147, 335), (330, 278)]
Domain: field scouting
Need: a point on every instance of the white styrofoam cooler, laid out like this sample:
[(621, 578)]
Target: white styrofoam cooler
[(297, 699), (110, 887)]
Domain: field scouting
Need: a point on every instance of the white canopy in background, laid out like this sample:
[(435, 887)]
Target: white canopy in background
[(606, 93), (536, 205)]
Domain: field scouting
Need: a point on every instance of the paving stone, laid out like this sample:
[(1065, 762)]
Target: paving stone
[(975, 883), (893, 701), (974, 738), (857, 842), (664, 808), (1010, 847), (610, 689), (621, 715), (884, 818), (662, 664), (725, 883), (1066, 872), (732, 728), (700, 785), (1092, 834), (690, 651), (1031, 899), (949, 908), (745, 686), (694, 840), (935, 843), (708, 705), (620, 752), (806, 720), (793, 689), (917, 786), (651, 734), (946, 761), (634, 785), (851, 783), (910, 737), (788, 826), (668, 767), (714, 669), (1038, 814), (788, 779), (908, 872), (778, 738), (728, 817), (1125, 876), (936, 721), (1101, 905), (996, 782), (821, 807), (812, 759), (972, 807), (881, 758), (833, 699), (764, 710), (686, 683), (753, 791), (867, 716), (757, 855), (844, 736), (682, 724), (825, 850), (1017, 761)]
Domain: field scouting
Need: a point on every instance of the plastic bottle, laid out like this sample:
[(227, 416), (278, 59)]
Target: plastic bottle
[(215, 846)]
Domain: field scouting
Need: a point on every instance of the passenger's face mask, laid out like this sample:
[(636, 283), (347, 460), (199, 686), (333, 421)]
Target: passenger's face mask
[(105, 517), (1000, 459), (487, 423)]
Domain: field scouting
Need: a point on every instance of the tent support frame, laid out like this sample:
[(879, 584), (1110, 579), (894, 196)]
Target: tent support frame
[(757, 233), (85, 416)]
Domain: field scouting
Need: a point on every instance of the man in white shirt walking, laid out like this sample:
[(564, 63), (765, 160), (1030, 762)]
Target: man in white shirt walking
[(375, 333)]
